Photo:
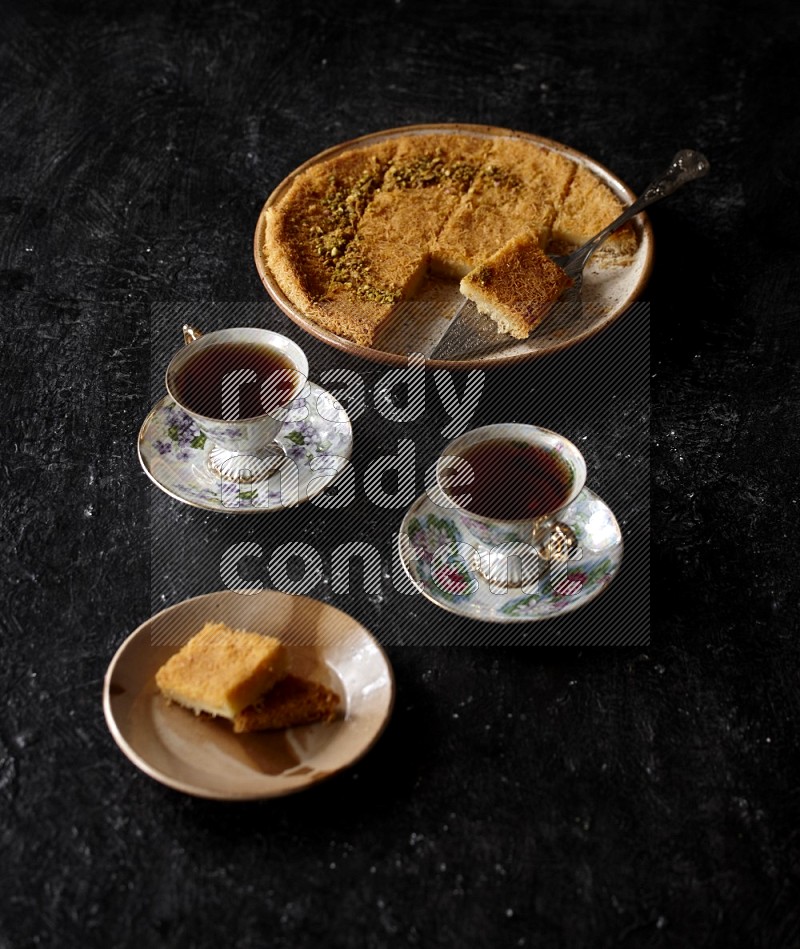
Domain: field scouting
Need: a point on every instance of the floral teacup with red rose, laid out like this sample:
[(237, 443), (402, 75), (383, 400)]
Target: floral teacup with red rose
[(505, 485)]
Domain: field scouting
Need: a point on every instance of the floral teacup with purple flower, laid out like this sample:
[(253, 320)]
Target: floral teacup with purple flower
[(505, 485), (237, 386)]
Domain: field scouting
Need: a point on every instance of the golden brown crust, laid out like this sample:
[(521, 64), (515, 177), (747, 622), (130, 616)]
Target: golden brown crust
[(355, 235), (221, 670), (292, 701), (587, 208), (303, 274), (516, 286), (346, 315), (440, 161), (517, 189)]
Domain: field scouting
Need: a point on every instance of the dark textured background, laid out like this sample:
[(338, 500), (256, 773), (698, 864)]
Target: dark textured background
[(639, 797)]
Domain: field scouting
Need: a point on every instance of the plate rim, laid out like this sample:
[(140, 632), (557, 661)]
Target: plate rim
[(617, 185), (494, 618), (198, 791)]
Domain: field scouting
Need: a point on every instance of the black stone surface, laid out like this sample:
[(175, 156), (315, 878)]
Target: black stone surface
[(520, 796)]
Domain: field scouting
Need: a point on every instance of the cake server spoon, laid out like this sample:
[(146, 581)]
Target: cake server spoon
[(472, 334)]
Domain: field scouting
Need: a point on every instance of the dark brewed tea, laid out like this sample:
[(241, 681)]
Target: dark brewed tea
[(512, 480), (235, 380)]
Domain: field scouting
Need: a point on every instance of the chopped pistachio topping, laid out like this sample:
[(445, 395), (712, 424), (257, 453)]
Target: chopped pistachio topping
[(428, 170), (500, 176), (333, 223), (341, 207), (353, 273), (330, 244)]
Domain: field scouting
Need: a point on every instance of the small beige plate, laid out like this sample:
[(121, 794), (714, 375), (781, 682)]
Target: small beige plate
[(201, 755), (607, 292)]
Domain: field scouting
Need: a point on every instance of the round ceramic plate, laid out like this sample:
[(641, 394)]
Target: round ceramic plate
[(201, 755), (607, 291), (317, 437), (450, 581)]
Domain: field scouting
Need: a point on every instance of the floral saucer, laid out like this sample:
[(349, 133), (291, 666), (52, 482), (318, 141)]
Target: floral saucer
[(317, 438), (441, 564)]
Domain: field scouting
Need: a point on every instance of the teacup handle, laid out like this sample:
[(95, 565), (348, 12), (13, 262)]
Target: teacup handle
[(190, 334), (559, 545)]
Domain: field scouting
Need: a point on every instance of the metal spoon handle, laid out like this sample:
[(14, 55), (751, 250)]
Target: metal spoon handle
[(687, 165)]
